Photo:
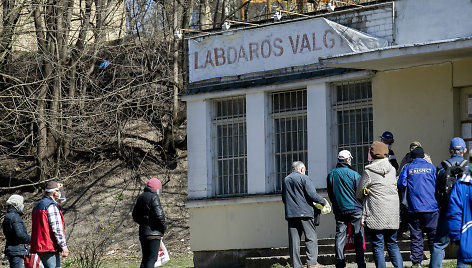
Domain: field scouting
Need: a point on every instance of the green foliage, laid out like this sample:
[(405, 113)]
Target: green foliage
[(119, 197), (277, 265)]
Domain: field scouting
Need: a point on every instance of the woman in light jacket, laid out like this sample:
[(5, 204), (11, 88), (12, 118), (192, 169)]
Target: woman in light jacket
[(381, 209)]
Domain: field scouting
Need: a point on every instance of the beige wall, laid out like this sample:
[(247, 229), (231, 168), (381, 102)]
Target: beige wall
[(244, 226), (463, 73), (419, 104)]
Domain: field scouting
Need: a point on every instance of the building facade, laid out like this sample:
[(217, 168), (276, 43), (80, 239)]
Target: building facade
[(304, 89)]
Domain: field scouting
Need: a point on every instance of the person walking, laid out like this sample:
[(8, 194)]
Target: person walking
[(148, 213), (48, 237), (347, 208), (418, 178), (14, 229), (459, 218), (299, 196), (381, 209), (448, 172)]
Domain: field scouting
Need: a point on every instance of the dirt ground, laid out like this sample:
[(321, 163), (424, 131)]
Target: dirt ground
[(98, 209)]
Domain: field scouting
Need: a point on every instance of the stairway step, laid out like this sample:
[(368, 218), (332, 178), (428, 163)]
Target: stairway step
[(324, 259)]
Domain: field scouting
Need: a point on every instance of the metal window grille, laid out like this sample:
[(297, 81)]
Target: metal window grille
[(352, 103), (289, 119), (229, 142)]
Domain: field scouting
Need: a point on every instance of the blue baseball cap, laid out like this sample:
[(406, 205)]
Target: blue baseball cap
[(457, 144), (387, 135)]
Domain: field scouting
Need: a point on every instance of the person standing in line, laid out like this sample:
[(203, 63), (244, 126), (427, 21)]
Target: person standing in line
[(148, 213), (459, 218), (387, 138), (407, 158), (299, 195), (15, 233), (451, 169), (381, 209), (347, 208), (48, 237), (418, 178), (404, 230)]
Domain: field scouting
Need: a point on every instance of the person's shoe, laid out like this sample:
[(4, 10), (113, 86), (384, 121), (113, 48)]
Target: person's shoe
[(314, 266), (418, 265), (406, 235)]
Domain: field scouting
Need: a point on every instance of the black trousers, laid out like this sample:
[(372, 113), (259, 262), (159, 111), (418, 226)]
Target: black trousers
[(342, 220), (150, 249)]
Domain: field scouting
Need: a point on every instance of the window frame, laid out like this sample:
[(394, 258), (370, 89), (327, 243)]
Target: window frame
[(222, 121)]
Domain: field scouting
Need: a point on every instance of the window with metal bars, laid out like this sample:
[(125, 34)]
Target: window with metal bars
[(289, 128), (352, 105), (229, 143)]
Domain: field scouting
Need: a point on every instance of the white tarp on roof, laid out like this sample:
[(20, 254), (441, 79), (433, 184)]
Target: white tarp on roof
[(273, 47)]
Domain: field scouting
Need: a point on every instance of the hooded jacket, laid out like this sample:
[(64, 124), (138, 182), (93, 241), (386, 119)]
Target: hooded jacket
[(342, 184), (148, 213), (381, 208), (459, 217), (15, 233)]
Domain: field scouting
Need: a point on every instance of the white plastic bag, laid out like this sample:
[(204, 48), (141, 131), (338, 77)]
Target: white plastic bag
[(163, 256)]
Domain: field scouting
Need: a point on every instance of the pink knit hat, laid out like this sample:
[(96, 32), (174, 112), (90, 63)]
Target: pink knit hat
[(154, 183)]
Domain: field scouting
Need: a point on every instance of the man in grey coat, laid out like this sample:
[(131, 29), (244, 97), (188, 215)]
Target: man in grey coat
[(299, 195)]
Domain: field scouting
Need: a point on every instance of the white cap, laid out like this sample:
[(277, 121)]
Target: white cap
[(344, 154)]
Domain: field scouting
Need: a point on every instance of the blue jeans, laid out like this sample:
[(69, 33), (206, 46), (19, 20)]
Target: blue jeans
[(441, 241), (462, 264), (50, 259), (16, 261), (390, 238)]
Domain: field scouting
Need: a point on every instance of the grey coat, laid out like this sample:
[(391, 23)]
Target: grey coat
[(381, 209)]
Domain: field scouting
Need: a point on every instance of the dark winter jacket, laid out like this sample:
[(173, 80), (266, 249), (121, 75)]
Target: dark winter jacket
[(15, 233), (149, 215), (298, 195), (342, 184)]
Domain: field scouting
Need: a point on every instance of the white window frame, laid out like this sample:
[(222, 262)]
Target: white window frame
[(276, 176), (360, 158), (216, 178)]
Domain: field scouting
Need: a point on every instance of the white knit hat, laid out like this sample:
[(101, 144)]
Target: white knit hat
[(16, 201)]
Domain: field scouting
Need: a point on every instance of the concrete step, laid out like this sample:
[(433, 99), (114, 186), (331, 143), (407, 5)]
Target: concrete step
[(324, 259)]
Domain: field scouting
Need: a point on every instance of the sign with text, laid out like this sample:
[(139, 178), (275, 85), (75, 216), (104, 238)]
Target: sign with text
[(267, 48)]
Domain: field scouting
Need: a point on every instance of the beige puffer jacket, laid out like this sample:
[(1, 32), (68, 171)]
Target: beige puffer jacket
[(381, 209)]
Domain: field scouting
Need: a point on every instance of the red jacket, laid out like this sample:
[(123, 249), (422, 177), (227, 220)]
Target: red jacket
[(42, 236)]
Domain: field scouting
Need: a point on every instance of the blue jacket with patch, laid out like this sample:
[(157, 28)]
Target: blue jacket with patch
[(459, 217), (420, 177)]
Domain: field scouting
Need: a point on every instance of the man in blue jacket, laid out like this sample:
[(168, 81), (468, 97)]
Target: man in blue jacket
[(459, 218), (457, 149), (342, 184), (418, 178), (299, 195)]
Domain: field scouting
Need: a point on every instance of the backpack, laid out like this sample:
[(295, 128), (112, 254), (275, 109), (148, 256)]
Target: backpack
[(445, 183)]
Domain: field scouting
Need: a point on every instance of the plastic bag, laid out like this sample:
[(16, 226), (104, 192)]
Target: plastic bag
[(32, 261), (324, 209), (163, 256)]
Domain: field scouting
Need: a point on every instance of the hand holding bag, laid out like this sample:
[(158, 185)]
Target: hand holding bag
[(163, 255)]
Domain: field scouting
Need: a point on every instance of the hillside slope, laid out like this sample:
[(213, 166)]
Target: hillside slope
[(98, 209)]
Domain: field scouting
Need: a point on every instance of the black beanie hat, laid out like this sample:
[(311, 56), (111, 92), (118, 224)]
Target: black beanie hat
[(418, 152)]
